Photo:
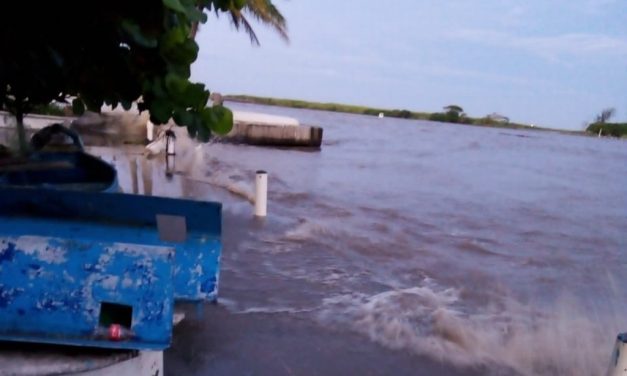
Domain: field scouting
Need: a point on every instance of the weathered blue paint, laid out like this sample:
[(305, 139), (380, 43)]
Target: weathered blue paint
[(119, 216), (52, 288), (63, 253)]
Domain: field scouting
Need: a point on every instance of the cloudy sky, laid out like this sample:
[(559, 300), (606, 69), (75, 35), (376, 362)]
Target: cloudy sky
[(553, 63)]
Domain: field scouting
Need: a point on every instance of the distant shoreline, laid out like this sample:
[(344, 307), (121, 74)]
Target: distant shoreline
[(373, 111)]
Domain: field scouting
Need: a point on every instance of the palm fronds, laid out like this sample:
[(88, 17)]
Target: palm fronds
[(261, 10)]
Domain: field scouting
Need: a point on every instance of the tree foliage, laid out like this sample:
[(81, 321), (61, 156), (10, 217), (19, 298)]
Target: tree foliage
[(453, 108), (608, 129), (605, 115), (452, 114), (263, 11), (110, 52)]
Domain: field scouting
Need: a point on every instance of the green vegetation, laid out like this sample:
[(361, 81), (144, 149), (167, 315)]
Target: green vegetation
[(112, 53), (261, 10), (334, 107), (452, 114), (601, 127), (605, 115), (51, 109), (608, 129)]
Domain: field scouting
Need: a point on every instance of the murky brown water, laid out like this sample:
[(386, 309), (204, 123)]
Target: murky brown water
[(406, 247)]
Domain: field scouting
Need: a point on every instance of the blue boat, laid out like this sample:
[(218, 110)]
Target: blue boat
[(58, 165), (85, 267), (73, 265)]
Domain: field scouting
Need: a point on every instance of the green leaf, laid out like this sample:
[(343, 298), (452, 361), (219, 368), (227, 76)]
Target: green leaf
[(172, 38), (196, 96), (192, 127), (175, 85), (174, 5), (156, 87), (78, 107), (239, 4), (222, 119), (126, 104), (160, 111), (92, 102), (184, 53), (183, 118), (181, 70), (208, 117), (204, 134), (195, 15), (135, 32)]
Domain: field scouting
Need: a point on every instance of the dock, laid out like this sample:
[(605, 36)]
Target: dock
[(114, 127)]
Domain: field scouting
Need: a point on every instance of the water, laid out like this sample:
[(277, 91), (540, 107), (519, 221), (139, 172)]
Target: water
[(416, 246)]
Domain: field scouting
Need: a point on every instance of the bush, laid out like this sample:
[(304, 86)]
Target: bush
[(437, 116), (608, 129), (445, 117), (466, 120), (49, 109)]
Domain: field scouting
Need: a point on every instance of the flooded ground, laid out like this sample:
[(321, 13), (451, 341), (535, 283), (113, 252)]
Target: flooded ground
[(406, 247)]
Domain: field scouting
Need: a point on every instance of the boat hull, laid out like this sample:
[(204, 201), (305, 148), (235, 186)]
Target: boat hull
[(74, 263)]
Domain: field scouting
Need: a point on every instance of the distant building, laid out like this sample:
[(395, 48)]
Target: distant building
[(498, 118)]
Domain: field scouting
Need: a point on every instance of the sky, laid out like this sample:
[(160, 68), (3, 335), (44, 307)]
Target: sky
[(552, 63)]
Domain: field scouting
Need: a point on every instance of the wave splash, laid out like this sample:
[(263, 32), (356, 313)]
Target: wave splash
[(432, 321)]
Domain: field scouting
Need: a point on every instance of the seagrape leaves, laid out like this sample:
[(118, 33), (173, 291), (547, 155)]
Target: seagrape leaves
[(219, 117), (113, 53), (171, 95)]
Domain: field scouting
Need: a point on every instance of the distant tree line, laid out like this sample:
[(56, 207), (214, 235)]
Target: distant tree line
[(451, 114), (602, 127)]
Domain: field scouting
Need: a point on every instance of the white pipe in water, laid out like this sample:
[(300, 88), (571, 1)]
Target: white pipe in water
[(618, 363), (261, 194)]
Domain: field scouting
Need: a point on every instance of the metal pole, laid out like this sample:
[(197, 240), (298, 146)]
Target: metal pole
[(170, 139)]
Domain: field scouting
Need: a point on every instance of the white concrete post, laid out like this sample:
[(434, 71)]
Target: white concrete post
[(261, 194), (150, 131), (618, 363)]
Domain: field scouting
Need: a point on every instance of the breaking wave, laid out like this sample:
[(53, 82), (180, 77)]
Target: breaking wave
[(432, 321), (202, 168), (309, 229)]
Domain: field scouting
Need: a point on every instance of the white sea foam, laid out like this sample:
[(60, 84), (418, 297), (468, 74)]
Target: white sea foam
[(432, 321), (222, 175), (238, 308), (308, 229)]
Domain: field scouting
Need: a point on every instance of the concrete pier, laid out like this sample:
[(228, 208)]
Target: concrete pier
[(106, 129), (116, 127), (271, 135)]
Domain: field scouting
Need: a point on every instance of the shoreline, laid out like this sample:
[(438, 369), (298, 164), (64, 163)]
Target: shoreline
[(392, 113)]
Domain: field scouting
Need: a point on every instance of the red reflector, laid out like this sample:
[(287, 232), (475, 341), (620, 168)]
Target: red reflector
[(115, 332)]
